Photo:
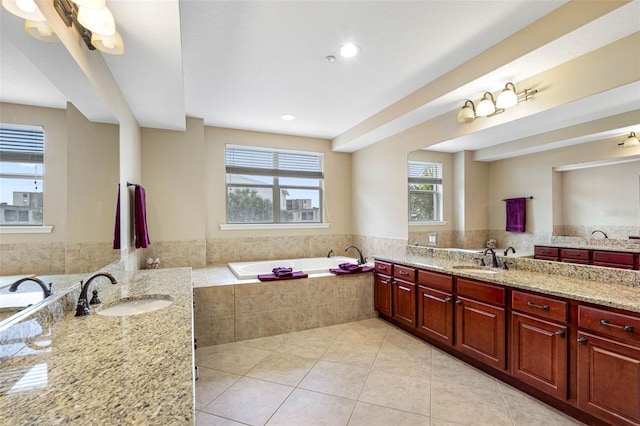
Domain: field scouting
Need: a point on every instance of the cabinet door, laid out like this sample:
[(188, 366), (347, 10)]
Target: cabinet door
[(404, 302), (539, 353), (609, 379), (382, 294), (480, 331), (435, 314)]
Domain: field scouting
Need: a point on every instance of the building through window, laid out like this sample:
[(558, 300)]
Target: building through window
[(21, 174), (273, 186)]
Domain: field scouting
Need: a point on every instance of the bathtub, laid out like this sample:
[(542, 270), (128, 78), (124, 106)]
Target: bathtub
[(312, 265)]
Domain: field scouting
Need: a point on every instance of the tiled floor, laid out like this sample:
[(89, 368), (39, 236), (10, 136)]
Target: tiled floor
[(362, 373)]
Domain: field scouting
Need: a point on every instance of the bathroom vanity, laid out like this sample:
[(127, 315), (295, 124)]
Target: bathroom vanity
[(569, 341), (131, 369)]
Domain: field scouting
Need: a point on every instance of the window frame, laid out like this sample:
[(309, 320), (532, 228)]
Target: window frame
[(243, 167), (412, 179)]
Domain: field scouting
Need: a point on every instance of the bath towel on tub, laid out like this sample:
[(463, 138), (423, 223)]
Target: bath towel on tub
[(516, 214), (289, 276), (281, 272), (350, 268)]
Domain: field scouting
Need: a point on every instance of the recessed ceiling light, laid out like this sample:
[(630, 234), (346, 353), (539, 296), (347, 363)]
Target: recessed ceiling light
[(288, 117), (349, 50), (330, 58)]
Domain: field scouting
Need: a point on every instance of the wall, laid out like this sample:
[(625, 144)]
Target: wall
[(79, 195), (287, 241)]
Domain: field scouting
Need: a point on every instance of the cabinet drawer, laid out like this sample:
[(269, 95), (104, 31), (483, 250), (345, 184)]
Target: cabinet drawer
[(435, 280), (612, 265), (481, 291), (540, 305), (575, 254), (383, 267), (614, 257), (609, 323), (547, 251), (404, 273)]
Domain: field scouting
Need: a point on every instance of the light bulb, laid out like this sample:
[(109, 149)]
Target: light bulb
[(349, 50), (25, 9), (486, 105), (632, 140), (467, 113), (97, 20), (112, 45), (27, 6), (508, 97), (41, 31)]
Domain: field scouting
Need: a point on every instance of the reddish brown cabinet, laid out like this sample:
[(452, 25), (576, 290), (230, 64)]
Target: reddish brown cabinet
[(608, 365), (608, 258), (404, 295), (540, 341), (546, 253), (382, 288), (480, 319), (570, 255), (615, 259), (435, 306)]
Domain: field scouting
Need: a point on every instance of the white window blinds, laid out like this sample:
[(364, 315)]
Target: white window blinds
[(21, 144), (280, 163), (425, 173)]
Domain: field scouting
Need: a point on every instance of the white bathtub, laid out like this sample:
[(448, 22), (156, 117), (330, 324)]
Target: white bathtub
[(312, 265)]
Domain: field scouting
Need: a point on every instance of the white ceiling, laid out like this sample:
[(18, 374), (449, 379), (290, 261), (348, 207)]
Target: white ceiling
[(242, 64)]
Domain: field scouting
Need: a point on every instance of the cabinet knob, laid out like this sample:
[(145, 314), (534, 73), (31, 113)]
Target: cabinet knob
[(560, 333), (582, 341), (533, 305), (447, 300), (625, 327), (458, 302)]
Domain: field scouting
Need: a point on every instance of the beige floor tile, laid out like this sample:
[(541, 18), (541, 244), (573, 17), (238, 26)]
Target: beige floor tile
[(335, 379), (211, 384), (446, 368), (469, 405), (357, 354), (313, 409), (206, 419), (331, 332), (413, 360), (306, 346), (404, 393), (440, 422), (249, 401), (367, 335), (231, 357), (400, 339), (282, 368), (526, 410), (374, 415)]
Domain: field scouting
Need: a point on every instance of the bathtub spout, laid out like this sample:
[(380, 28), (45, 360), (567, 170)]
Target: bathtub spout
[(362, 259), (330, 253)]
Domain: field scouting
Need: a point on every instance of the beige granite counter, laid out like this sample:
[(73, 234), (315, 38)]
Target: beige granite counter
[(100, 370), (602, 286)]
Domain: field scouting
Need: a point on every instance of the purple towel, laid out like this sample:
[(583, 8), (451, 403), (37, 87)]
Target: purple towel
[(355, 271), (281, 272), (351, 267), (274, 277), (516, 214), (140, 218), (116, 231)]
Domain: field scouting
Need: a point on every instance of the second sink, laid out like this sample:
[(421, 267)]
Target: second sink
[(135, 306)]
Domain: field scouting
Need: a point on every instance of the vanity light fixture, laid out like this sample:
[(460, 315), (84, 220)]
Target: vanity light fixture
[(91, 18), (630, 141), (488, 106)]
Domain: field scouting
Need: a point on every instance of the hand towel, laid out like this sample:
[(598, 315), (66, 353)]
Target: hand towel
[(349, 267), (116, 231), (281, 272), (360, 270), (141, 234), (516, 214), (274, 277)]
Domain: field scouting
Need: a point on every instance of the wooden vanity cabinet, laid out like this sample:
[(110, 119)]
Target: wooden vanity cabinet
[(580, 256), (403, 295), (435, 306), (382, 287), (540, 342), (546, 253), (480, 321), (614, 259), (608, 365)]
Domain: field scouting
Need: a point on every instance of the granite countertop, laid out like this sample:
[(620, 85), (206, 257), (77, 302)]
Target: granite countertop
[(553, 282), (98, 369)]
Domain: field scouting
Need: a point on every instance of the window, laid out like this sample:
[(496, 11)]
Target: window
[(21, 172), (273, 186), (425, 191)]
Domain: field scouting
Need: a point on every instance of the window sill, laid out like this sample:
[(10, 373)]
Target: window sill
[(251, 226), (26, 229), (429, 223)]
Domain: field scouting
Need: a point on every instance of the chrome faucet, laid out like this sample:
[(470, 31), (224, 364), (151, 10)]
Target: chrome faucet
[(362, 259), (47, 291), (494, 259), (83, 307), (330, 253), (506, 252), (602, 232)]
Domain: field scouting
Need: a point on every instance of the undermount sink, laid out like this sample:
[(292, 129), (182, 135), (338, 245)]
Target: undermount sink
[(477, 269), (139, 305)]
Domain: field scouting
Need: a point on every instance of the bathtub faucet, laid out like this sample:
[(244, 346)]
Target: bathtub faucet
[(330, 253), (362, 259)]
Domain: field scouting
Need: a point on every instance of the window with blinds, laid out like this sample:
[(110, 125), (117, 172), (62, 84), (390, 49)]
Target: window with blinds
[(273, 186), (21, 174), (425, 191)]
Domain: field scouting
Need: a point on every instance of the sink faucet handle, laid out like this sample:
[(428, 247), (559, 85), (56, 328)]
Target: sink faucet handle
[(480, 261), (506, 263), (83, 308), (95, 300)]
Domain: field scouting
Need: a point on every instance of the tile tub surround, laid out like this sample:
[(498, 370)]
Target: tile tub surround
[(229, 310), (96, 369)]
